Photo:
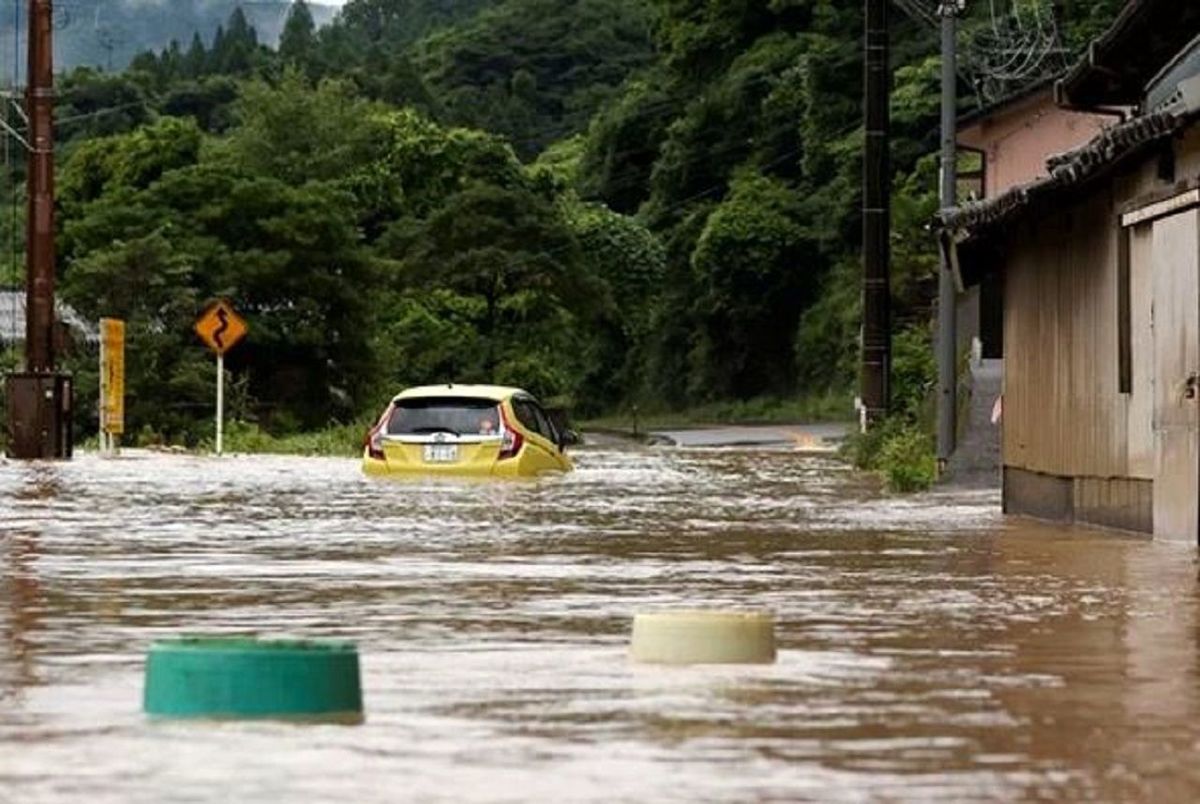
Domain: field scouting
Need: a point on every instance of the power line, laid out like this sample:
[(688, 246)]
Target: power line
[(1017, 43)]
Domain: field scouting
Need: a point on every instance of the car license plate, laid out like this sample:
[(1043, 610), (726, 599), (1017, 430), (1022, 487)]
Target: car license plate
[(441, 453)]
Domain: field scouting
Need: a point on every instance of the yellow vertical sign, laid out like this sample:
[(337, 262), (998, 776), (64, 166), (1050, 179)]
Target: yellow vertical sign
[(112, 376)]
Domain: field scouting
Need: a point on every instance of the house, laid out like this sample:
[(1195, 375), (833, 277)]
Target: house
[(1100, 266), (12, 321), (1015, 136), (1012, 139)]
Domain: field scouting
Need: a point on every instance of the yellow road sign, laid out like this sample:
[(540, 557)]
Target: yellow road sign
[(220, 327), (112, 375)]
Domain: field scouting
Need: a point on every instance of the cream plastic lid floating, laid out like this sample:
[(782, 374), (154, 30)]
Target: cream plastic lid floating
[(703, 637)]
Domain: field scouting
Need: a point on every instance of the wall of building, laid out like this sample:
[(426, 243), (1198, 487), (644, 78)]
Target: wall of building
[(1017, 140), (1063, 414), (1075, 447)]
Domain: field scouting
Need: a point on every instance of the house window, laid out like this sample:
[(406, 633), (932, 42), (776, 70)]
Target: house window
[(972, 172)]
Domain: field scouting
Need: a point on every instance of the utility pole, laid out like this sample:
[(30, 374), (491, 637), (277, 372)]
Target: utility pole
[(39, 261), (947, 336), (877, 338), (39, 399)]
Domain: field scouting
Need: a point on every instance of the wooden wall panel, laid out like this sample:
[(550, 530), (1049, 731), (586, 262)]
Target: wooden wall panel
[(1177, 358), (1140, 402), (1063, 413)]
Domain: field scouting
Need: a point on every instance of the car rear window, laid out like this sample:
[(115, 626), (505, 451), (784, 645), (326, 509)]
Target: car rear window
[(532, 416), (458, 415)]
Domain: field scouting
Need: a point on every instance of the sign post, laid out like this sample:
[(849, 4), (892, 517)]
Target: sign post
[(112, 384), (220, 328), (220, 401)]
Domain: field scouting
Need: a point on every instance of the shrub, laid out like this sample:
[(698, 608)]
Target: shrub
[(907, 460)]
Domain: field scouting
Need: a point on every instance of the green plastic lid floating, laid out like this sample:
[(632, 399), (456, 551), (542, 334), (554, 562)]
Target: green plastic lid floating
[(222, 678)]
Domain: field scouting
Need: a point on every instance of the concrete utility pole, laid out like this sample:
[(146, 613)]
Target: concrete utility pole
[(947, 336), (39, 400), (877, 338)]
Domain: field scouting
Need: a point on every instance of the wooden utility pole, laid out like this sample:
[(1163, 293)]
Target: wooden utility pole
[(40, 399), (876, 332), (39, 260)]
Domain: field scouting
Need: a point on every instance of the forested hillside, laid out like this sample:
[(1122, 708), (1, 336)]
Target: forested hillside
[(612, 202)]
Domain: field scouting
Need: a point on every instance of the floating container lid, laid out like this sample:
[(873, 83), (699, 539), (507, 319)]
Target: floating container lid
[(245, 678), (704, 637)]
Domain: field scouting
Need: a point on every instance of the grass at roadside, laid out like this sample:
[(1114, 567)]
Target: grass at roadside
[(831, 407), (340, 440)]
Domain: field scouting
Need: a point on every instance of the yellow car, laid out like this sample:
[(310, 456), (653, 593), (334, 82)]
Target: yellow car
[(466, 430)]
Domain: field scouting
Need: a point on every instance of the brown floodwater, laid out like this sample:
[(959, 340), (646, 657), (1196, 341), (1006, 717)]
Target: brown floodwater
[(929, 648)]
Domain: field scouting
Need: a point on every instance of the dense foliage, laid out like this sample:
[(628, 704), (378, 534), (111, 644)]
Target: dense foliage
[(614, 202)]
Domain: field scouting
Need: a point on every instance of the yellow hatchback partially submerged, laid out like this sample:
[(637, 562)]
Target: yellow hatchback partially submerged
[(467, 430)]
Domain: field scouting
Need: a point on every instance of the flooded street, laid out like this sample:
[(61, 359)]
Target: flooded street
[(929, 649)]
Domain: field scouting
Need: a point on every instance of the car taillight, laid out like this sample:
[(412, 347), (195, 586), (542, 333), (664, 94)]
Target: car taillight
[(373, 441), (510, 440)]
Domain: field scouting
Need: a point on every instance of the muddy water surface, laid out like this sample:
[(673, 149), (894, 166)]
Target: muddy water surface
[(929, 648)]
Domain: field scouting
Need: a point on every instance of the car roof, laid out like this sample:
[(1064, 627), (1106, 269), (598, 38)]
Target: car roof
[(496, 393)]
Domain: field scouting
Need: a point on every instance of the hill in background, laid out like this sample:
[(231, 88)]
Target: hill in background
[(109, 33)]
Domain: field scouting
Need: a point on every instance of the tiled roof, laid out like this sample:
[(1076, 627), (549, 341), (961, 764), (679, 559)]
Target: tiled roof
[(1119, 64), (1072, 169), (12, 319)]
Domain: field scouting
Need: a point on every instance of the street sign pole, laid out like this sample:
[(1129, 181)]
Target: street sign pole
[(220, 399), (221, 328)]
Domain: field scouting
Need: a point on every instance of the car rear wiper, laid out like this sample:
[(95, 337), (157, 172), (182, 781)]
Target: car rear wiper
[(423, 430)]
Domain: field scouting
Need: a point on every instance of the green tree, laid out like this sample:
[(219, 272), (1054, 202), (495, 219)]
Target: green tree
[(97, 104), (623, 142), (298, 40), (628, 263), (196, 58), (209, 101), (501, 261), (235, 48), (751, 265), (536, 70), (299, 133), (154, 226)]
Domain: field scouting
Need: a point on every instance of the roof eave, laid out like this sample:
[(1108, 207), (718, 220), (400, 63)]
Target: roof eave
[(1071, 171)]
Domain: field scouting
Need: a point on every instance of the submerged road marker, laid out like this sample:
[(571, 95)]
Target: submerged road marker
[(703, 637), (241, 679)]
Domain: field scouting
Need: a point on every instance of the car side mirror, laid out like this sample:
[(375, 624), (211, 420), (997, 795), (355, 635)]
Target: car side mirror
[(570, 438)]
